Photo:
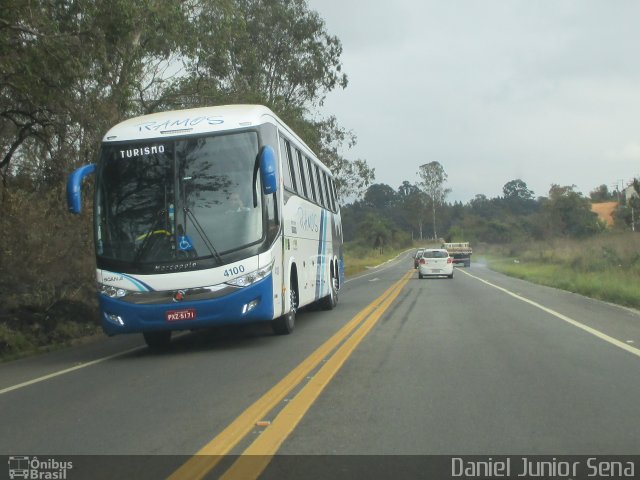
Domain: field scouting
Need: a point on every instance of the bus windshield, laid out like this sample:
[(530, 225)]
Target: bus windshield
[(166, 201)]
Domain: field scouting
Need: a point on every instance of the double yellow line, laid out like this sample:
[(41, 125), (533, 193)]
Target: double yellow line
[(259, 454)]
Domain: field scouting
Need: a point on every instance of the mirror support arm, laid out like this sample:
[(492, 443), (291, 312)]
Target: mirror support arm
[(74, 187)]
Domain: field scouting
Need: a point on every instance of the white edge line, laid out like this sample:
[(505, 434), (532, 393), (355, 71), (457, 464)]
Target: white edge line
[(575, 323), (68, 370)]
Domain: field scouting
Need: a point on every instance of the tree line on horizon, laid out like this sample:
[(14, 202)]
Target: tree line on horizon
[(385, 216)]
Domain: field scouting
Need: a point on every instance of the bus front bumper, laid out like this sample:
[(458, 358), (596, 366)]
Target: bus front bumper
[(245, 305)]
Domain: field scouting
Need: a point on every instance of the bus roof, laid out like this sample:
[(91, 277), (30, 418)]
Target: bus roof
[(190, 121), (175, 123)]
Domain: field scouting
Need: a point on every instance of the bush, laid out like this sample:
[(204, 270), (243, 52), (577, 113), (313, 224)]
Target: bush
[(47, 290), (606, 266)]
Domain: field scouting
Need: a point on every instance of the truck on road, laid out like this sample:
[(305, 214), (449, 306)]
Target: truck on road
[(460, 252)]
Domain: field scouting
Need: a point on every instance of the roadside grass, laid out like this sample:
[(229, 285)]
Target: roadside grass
[(358, 258), (18, 344), (606, 267), (27, 330)]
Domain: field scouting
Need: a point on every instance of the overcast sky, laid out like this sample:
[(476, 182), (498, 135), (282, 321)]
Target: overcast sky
[(547, 91)]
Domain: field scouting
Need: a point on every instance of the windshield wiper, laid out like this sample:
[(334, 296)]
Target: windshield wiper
[(203, 235)]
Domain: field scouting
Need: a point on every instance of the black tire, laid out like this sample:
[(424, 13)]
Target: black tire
[(467, 263), (330, 301), (420, 276), (157, 340), (285, 324), (450, 276)]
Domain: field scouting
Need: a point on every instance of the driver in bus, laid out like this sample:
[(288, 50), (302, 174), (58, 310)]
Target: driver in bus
[(236, 204)]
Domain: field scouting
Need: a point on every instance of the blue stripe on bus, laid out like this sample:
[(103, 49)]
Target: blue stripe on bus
[(322, 248), (141, 286)]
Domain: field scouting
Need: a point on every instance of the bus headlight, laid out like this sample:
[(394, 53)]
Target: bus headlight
[(250, 278), (112, 292)]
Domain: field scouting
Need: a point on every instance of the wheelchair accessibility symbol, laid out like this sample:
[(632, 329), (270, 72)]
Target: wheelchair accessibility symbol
[(185, 243)]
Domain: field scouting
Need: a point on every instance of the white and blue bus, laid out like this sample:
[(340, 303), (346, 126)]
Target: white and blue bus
[(210, 216)]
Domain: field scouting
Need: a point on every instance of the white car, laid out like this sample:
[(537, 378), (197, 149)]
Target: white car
[(435, 262)]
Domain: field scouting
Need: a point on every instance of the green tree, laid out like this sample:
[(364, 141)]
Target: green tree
[(380, 196), (327, 138), (407, 189), (68, 70), (408, 209), (456, 234), (569, 213), (277, 53), (602, 194), (376, 230), (518, 199), (481, 205), (432, 179), (517, 189)]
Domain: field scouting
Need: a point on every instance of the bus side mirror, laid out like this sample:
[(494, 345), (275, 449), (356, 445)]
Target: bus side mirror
[(74, 187), (268, 170)]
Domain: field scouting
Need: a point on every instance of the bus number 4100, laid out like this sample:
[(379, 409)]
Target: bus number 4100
[(234, 271)]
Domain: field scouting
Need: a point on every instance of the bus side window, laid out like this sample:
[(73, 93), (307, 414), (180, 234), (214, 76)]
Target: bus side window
[(303, 175), (325, 183), (285, 152), (334, 200), (312, 180), (320, 192), (295, 171)]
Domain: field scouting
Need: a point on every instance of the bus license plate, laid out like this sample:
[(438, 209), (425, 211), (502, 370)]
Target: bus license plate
[(177, 315)]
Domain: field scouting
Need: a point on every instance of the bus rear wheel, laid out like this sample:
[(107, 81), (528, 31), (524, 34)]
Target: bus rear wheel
[(330, 301), (157, 340), (284, 325)]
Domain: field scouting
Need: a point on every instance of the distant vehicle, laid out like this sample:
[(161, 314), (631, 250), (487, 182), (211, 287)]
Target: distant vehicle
[(435, 262), (211, 216), (417, 256), (460, 252)]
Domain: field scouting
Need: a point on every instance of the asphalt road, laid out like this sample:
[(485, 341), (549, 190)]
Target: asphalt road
[(481, 364)]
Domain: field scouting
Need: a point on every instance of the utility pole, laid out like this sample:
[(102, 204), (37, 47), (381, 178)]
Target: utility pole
[(614, 187)]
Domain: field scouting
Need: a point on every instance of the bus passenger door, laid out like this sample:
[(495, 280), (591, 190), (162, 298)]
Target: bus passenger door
[(279, 276)]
